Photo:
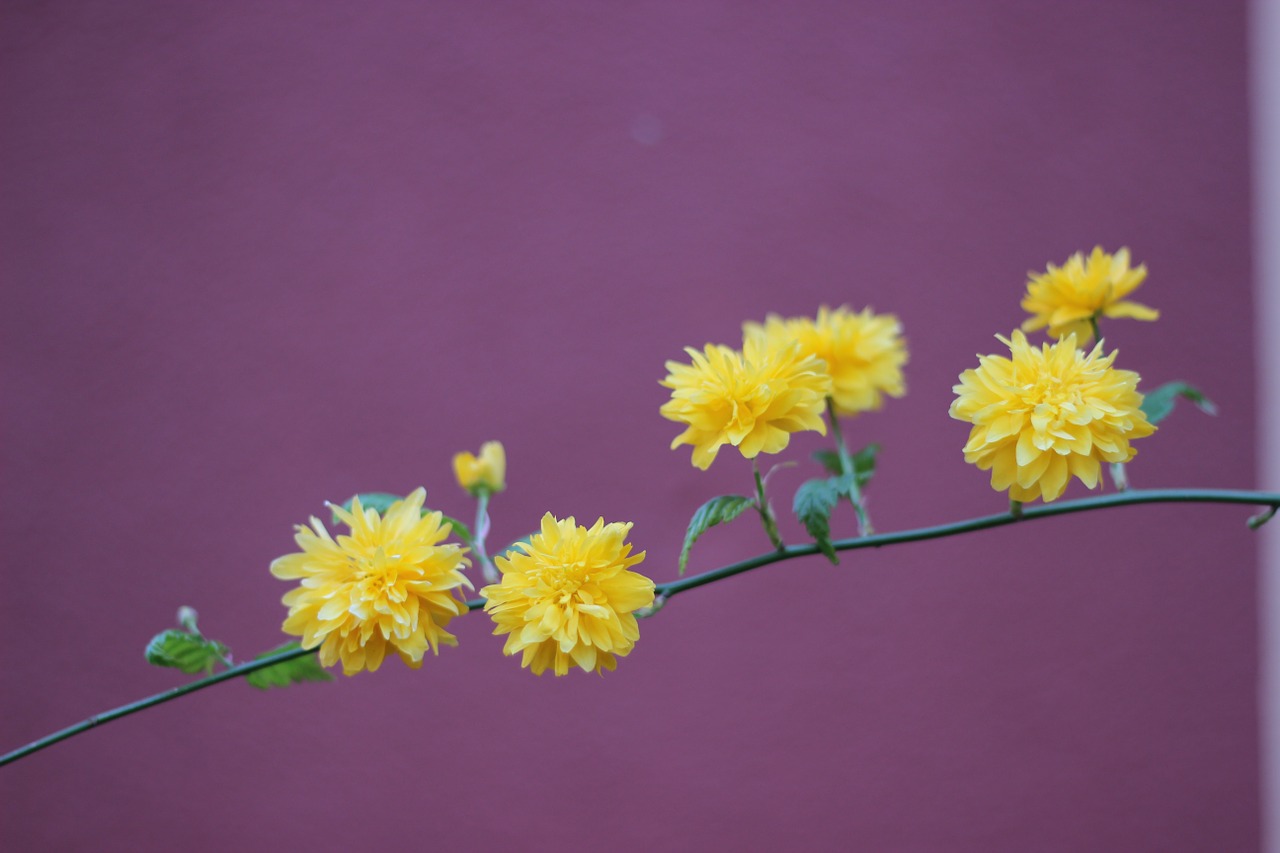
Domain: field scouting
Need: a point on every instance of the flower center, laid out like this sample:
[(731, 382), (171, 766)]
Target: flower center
[(378, 574), (1050, 392)]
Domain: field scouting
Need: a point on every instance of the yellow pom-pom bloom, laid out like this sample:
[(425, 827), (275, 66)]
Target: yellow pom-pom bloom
[(567, 596), (487, 471), (390, 584), (1048, 414), (1066, 298), (753, 399), (864, 352)]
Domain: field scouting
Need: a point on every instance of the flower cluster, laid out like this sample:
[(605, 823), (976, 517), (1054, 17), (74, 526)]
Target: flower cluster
[(389, 584), (864, 352), (567, 597), (1067, 299), (1045, 415), (780, 381)]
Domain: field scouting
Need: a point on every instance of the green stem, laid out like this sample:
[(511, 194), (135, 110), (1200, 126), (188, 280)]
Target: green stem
[(766, 511), (847, 470), (490, 571), (1093, 323), (134, 707), (666, 590), (1134, 496)]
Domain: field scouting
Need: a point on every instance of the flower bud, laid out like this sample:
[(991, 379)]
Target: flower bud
[(187, 617), (487, 472)]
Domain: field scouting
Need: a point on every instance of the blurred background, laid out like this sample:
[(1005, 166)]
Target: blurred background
[(259, 255)]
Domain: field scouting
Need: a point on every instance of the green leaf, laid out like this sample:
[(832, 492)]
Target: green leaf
[(813, 504), (1159, 403), (830, 460), (864, 464), (190, 653), (719, 510), (380, 501), (459, 529), (296, 671)]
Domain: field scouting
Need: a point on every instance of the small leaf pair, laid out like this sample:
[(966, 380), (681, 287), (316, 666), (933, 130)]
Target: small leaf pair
[(189, 651)]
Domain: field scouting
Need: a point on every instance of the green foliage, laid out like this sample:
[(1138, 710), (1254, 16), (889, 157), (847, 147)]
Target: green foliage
[(864, 463), (459, 529), (186, 651), (814, 501), (1159, 403), (296, 671), (830, 460), (719, 510)]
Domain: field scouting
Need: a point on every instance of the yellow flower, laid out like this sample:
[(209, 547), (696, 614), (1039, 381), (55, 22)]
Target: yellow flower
[(1065, 298), (753, 399), (390, 583), (864, 352), (567, 596), (489, 471), (1048, 414)]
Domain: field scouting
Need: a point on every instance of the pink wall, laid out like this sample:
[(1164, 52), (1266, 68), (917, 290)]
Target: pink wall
[(258, 255)]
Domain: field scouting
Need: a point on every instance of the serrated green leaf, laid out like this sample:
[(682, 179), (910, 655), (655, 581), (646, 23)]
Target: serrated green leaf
[(814, 501), (190, 653), (380, 501), (829, 460), (864, 464), (719, 510), (296, 671), (1159, 403)]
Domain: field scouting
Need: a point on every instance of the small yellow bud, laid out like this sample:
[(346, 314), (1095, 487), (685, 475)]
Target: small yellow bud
[(488, 471)]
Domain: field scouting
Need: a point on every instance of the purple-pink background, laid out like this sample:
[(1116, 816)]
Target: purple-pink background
[(258, 255)]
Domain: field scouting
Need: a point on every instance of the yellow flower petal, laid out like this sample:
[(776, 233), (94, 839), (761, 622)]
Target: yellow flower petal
[(1135, 310)]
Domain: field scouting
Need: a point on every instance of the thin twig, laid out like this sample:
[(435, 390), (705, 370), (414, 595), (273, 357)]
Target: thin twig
[(667, 590)]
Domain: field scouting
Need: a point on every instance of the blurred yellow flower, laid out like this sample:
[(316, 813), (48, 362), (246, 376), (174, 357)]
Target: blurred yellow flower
[(488, 471), (1048, 414), (391, 583), (864, 352), (1066, 298), (567, 596), (753, 399)]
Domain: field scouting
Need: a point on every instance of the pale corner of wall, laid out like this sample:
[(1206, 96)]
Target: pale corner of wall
[(1264, 47)]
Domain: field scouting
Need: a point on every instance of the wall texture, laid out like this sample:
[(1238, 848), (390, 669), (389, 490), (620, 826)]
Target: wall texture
[(257, 255)]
